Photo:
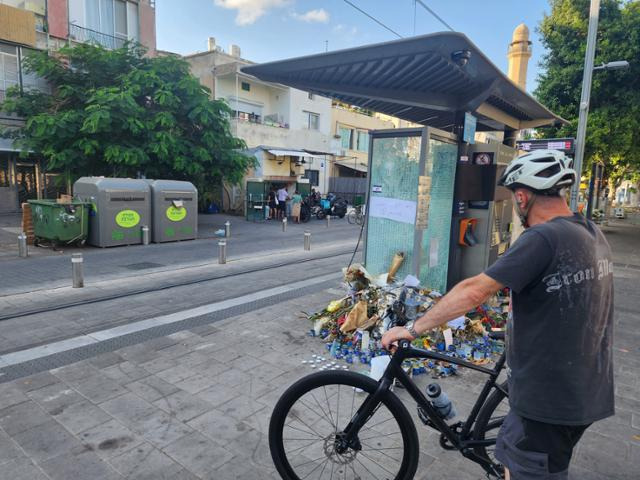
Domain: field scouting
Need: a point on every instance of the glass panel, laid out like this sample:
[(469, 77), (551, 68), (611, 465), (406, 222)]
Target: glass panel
[(314, 121), (345, 137), (440, 168), (4, 169), (393, 194), (93, 15), (132, 21), (106, 17), (121, 17), (363, 141)]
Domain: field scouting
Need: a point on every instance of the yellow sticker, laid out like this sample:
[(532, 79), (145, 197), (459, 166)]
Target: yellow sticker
[(127, 218), (175, 214)]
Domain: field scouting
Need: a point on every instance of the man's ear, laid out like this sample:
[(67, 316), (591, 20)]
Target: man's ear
[(521, 197)]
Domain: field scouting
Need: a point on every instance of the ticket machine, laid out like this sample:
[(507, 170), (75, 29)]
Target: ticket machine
[(483, 210)]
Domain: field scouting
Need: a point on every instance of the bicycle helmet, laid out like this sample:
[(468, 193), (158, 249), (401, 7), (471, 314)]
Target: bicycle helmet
[(544, 172)]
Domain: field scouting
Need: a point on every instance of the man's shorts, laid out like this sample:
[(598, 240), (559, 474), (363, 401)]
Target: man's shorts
[(534, 450)]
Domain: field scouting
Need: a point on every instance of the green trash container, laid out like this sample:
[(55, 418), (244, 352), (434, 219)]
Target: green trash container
[(60, 222)]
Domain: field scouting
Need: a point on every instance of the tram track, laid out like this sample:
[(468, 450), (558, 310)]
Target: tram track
[(169, 286)]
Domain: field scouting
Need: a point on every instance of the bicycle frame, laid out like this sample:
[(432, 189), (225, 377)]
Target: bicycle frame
[(459, 441)]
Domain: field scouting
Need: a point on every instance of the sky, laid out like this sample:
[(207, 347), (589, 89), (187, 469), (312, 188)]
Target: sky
[(268, 30)]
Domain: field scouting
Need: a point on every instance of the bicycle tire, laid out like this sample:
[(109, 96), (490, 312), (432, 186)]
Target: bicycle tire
[(289, 400), (352, 218), (488, 422)]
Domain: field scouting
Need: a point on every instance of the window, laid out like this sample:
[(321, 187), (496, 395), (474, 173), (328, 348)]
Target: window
[(363, 141), (313, 176), (345, 137), (105, 19), (9, 75), (246, 86), (121, 19), (311, 121)]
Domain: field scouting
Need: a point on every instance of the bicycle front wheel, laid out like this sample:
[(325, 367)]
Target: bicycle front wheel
[(309, 419), (352, 217)]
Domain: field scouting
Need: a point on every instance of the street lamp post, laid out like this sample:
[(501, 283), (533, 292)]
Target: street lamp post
[(594, 11), (584, 99)]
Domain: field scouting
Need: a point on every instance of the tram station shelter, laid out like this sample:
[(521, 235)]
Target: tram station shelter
[(432, 190)]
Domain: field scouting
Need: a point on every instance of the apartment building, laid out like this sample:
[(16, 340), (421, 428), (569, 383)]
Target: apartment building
[(287, 130), (28, 25)]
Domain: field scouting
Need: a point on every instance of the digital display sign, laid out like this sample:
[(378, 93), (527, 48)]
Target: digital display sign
[(566, 145)]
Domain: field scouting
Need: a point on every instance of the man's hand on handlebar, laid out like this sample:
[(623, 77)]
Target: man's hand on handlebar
[(394, 335)]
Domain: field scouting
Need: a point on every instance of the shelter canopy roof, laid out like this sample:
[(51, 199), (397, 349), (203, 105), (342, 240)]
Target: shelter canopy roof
[(416, 79)]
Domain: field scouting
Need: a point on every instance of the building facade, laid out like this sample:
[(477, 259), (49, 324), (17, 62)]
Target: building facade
[(28, 25), (287, 130)]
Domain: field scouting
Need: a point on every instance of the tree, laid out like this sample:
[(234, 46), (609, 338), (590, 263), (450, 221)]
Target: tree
[(119, 113), (613, 129)]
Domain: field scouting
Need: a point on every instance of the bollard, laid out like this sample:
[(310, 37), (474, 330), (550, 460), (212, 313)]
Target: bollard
[(222, 252), (227, 229), (145, 235), (76, 270), (284, 224), (307, 240), (328, 220), (23, 250)]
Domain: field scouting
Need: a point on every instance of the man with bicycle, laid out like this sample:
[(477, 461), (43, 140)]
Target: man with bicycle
[(560, 333)]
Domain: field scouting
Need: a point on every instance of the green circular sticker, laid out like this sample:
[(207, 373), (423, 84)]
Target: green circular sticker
[(175, 214), (127, 218)]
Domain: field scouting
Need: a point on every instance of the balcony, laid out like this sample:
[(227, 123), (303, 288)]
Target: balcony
[(86, 35)]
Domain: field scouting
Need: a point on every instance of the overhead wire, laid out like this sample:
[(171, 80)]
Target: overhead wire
[(424, 5), (373, 18)]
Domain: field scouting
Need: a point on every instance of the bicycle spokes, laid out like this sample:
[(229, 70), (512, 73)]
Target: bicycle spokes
[(317, 448)]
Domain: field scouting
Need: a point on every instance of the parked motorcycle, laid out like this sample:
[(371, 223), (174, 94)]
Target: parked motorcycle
[(332, 205)]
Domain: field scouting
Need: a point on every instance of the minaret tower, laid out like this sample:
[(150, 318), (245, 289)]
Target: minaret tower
[(519, 54)]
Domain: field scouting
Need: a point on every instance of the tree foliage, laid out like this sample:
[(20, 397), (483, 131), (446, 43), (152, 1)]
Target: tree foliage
[(119, 113), (613, 129)]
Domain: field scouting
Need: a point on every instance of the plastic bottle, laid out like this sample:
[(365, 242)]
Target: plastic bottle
[(440, 401)]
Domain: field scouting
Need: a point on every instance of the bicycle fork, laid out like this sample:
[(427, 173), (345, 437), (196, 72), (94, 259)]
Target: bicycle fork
[(348, 438)]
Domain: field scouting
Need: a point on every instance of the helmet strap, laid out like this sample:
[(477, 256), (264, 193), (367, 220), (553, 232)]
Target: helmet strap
[(523, 214)]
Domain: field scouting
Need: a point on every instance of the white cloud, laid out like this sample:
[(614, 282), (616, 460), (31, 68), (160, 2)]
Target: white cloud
[(319, 15), (250, 10), (345, 30)]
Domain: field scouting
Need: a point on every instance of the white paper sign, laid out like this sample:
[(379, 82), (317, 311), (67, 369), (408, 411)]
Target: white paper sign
[(433, 253), (448, 337), (457, 323), (399, 210)]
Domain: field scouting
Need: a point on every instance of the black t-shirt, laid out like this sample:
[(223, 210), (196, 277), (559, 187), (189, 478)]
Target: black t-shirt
[(559, 339)]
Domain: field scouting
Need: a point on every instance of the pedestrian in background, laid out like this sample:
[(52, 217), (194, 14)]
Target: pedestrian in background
[(282, 196), (273, 203), (296, 202)]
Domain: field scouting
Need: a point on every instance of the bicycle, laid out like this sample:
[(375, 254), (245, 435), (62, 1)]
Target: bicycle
[(356, 216), (310, 438)]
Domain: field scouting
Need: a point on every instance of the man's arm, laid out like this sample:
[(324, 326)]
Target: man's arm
[(462, 298)]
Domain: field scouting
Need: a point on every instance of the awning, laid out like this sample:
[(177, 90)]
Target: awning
[(289, 153), (430, 80), (6, 145), (357, 166)]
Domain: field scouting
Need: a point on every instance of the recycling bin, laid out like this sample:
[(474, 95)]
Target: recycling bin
[(66, 222), (174, 210), (119, 208)]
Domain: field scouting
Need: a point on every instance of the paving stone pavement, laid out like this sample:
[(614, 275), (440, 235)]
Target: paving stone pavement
[(196, 404)]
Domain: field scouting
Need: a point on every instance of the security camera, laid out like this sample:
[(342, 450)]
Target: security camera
[(461, 57)]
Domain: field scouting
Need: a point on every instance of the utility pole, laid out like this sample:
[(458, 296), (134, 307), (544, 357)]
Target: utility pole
[(594, 12)]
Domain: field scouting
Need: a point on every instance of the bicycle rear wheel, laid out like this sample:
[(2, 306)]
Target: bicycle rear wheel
[(310, 417), (489, 422)]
